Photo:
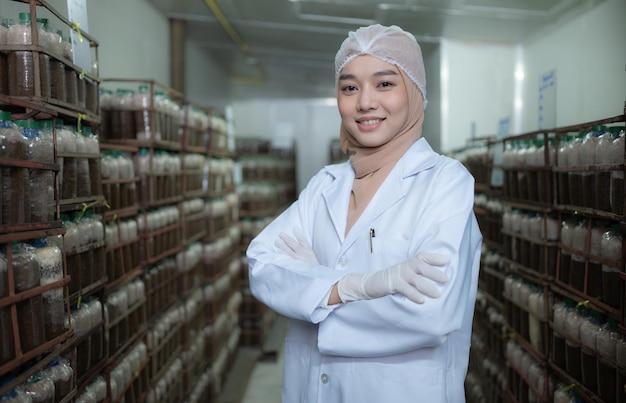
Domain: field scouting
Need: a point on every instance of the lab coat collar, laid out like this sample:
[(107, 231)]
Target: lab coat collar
[(419, 157)]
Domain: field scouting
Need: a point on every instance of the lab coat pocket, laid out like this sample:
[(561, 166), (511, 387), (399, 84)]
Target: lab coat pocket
[(403, 382), (386, 251)]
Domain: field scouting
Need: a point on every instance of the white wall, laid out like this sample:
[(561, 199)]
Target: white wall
[(134, 43), (205, 83), (477, 90), (588, 54), (589, 57), (432, 116), (313, 124), (134, 40)]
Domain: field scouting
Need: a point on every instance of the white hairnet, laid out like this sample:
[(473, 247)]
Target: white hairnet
[(390, 44)]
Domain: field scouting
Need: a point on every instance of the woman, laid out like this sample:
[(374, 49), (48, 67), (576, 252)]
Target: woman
[(376, 263)]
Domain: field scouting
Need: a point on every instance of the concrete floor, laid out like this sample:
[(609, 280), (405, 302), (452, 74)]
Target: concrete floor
[(266, 381), (257, 374)]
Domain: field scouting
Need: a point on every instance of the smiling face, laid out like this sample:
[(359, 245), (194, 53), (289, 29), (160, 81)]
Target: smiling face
[(372, 100)]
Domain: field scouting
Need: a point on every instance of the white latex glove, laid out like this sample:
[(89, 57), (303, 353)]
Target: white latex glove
[(411, 278), (298, 247)]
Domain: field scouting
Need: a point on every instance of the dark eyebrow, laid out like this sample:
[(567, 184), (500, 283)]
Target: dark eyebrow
[(386, 73), (346, 77), (381, 73)]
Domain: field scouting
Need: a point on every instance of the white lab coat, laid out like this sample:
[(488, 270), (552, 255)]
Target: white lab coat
[(388, 349)]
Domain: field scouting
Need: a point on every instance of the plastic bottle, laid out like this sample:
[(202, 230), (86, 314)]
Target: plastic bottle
[(53, 39), (602, 191), (573, 363), (114, 174), (117, 119), (68, 49), (559, 310), (83, 178), (42, 33), (41, 181), (81, 90), (104, 110), (4, 58), (19, 32), (579, 242), (127, 114), (128, 191), (587, 159), (30, 311), (69, 178), (39, 388), (21, 68), (15, 187), (73, 260), (534, 160), (105, 170), (50, 259), (71, 86), (92, 146), (60, 372), (91, 95), (4, 31), (87, 258), (44, 74), (589, 329), (617, 175), (142, 104), (58, 78), (606, 341), (7, 346), (611, 249), (562, 178), (160, 116), (575, 177), (144, 163)]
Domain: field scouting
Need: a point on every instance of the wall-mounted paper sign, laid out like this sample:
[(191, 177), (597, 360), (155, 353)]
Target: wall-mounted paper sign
[(547, 101), (77, 14)]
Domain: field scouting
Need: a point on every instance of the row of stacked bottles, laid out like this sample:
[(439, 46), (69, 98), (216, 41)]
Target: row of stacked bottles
[(267, 187), (119, 239), (168, 177), (51, 239), (550, 323)]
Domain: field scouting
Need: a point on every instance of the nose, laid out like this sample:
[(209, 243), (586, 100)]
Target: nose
[(367, 99)]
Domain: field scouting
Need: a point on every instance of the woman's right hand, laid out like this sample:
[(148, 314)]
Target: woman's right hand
[(298, 248)]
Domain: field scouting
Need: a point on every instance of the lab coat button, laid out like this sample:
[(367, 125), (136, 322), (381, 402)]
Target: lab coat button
[(324, 378), (342, 261)]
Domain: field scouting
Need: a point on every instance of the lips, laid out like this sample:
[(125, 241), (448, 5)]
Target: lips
[(369, 124)]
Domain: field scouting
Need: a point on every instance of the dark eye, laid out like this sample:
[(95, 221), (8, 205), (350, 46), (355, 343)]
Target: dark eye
[(385, 84), (348, 88)]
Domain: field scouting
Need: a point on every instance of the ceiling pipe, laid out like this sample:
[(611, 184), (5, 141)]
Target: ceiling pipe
[(355, 21), (243, 46), (330, 18)]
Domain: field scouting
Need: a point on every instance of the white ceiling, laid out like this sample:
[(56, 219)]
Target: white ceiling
[(286, 48)]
